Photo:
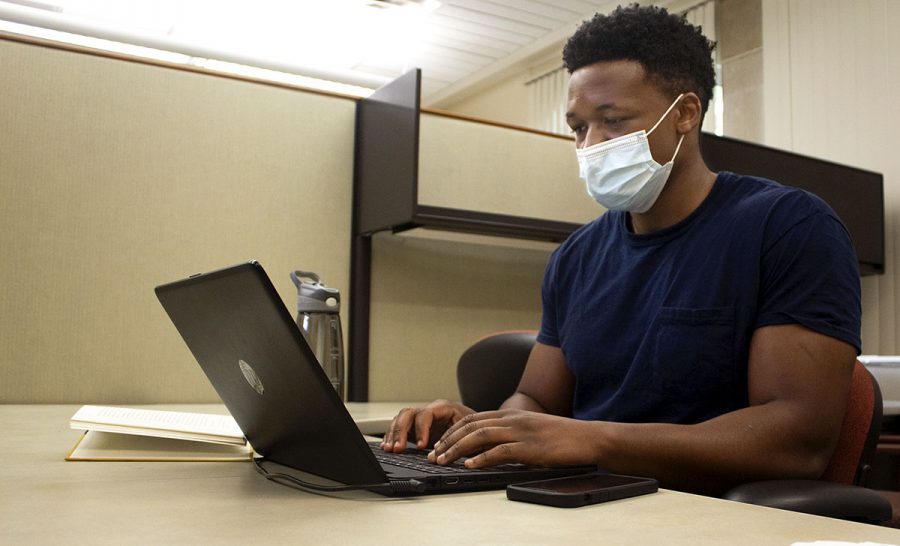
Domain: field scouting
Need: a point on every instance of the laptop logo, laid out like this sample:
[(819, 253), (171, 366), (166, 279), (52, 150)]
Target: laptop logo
[(251, 377)]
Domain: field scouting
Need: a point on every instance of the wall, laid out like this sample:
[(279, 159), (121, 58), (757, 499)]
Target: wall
[(116, 177), (475, 166), (431, 299), (832, 70), (501, 102), (739, 45), (507, 100)]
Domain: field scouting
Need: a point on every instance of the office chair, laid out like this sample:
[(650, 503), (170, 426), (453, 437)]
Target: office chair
[(840, 492), (488, 372)]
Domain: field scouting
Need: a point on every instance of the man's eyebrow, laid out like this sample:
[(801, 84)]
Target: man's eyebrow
[(600, 108), (606, 106)]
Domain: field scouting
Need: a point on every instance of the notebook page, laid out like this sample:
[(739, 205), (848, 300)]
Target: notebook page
[(198, 423)]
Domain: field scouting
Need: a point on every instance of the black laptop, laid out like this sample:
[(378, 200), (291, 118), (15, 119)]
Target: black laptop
[(253, 353)]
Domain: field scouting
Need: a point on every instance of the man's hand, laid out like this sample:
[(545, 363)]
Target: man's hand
[(516, 436), (426, 422)]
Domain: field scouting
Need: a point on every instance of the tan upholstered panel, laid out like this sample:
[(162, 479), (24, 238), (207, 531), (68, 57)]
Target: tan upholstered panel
[(115, 177), (432, 299), (481, 167)]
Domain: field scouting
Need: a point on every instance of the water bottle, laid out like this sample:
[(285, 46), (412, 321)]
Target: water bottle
[(318, 316)]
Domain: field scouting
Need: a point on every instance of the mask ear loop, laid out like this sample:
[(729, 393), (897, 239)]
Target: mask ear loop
[(680, 140), (678, 98)]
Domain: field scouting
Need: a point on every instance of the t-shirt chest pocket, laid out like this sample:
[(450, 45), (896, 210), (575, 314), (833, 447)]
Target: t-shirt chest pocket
[(694, 352)]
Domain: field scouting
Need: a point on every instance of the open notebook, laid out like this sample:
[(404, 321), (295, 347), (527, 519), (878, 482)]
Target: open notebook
[(138, 434), (113, 446)]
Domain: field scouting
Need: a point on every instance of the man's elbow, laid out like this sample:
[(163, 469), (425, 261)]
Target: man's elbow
[(807, 463)]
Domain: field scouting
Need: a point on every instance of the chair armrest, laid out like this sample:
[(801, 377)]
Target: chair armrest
[(834, 500)]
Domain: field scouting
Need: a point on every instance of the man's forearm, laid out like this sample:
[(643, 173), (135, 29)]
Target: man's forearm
[(522, 401), (755, 443)]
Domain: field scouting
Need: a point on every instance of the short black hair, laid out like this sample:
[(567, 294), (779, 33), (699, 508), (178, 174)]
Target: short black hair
[(674, 53)]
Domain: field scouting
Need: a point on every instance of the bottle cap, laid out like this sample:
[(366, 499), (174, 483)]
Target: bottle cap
[(313, 296)]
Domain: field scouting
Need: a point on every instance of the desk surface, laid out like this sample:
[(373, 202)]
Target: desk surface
[(46, 500)]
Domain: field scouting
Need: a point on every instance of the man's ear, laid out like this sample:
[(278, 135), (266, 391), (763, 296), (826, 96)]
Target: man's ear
[(690, 113)]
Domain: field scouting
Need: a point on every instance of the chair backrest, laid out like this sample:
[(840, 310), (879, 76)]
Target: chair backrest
[(851, 461), (489, 371)]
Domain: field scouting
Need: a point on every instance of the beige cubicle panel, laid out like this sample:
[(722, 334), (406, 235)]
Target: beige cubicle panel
[(470, 165), (116, 176), (435, 293), (433, 298)]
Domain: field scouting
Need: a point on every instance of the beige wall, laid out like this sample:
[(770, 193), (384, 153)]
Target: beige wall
[(432, 299), (116, 177), (507, 100), (739, 44), (473, 166), (836, 98)]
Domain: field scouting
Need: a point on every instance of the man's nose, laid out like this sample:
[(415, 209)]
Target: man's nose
[(591, 137)]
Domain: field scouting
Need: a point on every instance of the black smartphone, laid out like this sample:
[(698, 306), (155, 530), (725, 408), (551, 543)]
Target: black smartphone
[(575, 491)]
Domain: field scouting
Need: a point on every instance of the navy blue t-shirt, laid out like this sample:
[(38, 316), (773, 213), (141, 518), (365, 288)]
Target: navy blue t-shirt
[(657, 327)]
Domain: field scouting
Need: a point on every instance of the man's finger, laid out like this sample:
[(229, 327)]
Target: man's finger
[(467, 425), (395, 438), (500, 454), (472, 437), (424, 420), (466, 420)]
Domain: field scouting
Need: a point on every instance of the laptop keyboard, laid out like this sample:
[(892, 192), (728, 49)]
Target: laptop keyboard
[(417, 459)]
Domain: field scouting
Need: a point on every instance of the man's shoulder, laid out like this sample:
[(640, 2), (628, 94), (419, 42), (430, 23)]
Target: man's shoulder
[(751, 194), (746, 188)]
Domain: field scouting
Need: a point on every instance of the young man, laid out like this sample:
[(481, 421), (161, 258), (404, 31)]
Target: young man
[(703, 330)]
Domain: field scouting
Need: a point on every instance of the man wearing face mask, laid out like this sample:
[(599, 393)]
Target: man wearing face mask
[(703, 330)]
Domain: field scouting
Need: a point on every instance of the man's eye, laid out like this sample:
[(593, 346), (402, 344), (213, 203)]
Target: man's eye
[(613, 121), (578, 130)]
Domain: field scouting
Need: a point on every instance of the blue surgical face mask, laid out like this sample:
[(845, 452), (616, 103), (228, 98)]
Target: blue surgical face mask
[(621, 173)]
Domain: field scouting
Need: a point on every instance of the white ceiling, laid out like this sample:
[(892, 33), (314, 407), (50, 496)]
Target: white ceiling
[(462, 46), (467, 41), (456, 43)]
